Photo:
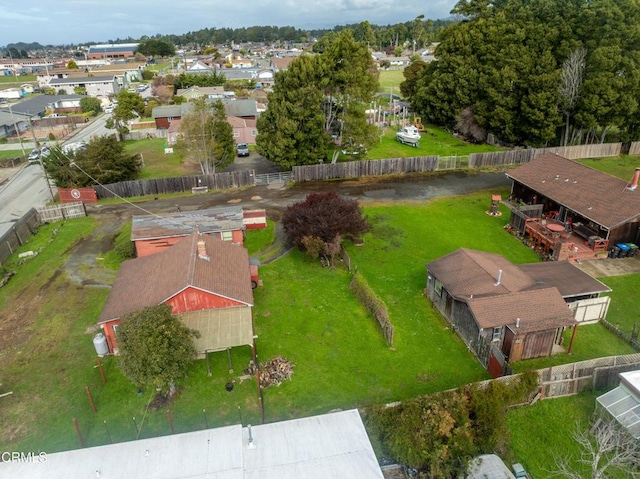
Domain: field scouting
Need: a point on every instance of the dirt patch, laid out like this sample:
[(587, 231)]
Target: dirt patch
[(83, 266)]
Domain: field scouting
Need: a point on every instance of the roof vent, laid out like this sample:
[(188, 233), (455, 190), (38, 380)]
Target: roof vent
[(202, 251), (517, 322), (557, 177), (634, 180), (499, 277), (566, 180)]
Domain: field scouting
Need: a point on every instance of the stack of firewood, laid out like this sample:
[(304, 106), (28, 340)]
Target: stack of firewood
[(272, 372)]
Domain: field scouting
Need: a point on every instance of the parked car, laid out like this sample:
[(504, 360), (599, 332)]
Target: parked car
[(34, 156), (242, 149), (520, 471), (109, 108)]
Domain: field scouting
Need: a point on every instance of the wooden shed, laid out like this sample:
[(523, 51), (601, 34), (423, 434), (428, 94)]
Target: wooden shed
[(499, 310), (205, 280)]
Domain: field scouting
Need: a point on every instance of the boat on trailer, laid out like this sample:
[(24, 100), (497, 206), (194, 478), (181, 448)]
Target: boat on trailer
[(409, 135)]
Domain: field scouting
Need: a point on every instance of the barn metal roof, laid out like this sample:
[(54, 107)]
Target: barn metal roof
[(210, 220), (332, 445)]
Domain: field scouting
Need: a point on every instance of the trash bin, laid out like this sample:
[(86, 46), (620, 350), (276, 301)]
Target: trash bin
[(624, 250), (633, 249), (613, 252)]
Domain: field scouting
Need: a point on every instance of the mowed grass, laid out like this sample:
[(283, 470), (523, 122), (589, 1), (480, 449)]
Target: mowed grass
[(304, 312), (390, 81), (157, 164), (542, 432), (620, 166), (435, 141)]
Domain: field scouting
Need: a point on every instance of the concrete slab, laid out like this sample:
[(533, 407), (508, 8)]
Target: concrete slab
[(610, 266)]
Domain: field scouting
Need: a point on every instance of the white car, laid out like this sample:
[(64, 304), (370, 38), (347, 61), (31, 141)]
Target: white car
[(73, 147), (109, 108)]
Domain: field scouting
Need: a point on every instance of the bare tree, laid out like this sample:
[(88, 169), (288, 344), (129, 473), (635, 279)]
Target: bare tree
[(607, 449), (570, 81)]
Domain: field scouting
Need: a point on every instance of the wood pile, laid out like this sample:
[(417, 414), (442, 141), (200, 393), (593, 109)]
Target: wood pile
[(272, 372)]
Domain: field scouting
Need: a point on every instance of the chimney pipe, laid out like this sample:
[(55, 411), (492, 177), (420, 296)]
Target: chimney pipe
[(251, 444), (634, 180), (202, 251), (517, 322), (499, 277)]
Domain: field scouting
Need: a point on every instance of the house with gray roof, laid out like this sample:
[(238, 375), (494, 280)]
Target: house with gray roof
[(97, 86)]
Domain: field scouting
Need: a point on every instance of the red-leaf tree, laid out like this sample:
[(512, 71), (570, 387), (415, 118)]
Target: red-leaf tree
[(326, 216)]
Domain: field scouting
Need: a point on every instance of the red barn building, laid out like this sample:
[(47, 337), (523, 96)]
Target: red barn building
[(205, 280)]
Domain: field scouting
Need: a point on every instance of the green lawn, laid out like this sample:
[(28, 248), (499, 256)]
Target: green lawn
[(435, 141), (157, 164), (390, 81), (304, 312), (12, 153), (541, 432), (620, 166)]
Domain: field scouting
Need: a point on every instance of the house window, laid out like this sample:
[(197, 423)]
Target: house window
[(497, 334), (438, 287), (226, 235), (254, 132), (236, 133)]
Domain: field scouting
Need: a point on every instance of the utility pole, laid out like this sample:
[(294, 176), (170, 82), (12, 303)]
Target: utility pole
[(44, 172)]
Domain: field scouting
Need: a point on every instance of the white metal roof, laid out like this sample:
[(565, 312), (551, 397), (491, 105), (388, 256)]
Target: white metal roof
[(623, 402), (332, 445)]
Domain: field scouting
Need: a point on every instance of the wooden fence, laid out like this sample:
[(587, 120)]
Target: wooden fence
[(634, 149), (420, 164), (600, 373), (158, 186), (517, 157), (20, 232), (356, 169), (63, 211)]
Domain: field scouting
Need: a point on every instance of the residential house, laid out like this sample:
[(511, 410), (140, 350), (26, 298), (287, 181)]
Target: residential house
[(623, 403), (98, 86), (214, 92), (205, 280), (12, 123), (152, 234), (281, 63), (38, 106), (333, 445), (244, 130), (504, 312), (243, 109), (589, 203), (199, 67)]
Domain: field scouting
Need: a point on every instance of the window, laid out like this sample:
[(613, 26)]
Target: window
[(236, 133), (497, 333), (254, 132), (226, 235), (438, 287)]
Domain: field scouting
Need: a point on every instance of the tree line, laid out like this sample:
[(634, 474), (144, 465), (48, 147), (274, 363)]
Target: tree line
[(535, 72)]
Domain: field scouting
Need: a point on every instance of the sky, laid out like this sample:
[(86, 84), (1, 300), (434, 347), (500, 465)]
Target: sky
[(61, 22)]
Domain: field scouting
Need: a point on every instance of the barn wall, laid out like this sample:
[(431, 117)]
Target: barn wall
[(110, 334), (193, 299), (221, 328)]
